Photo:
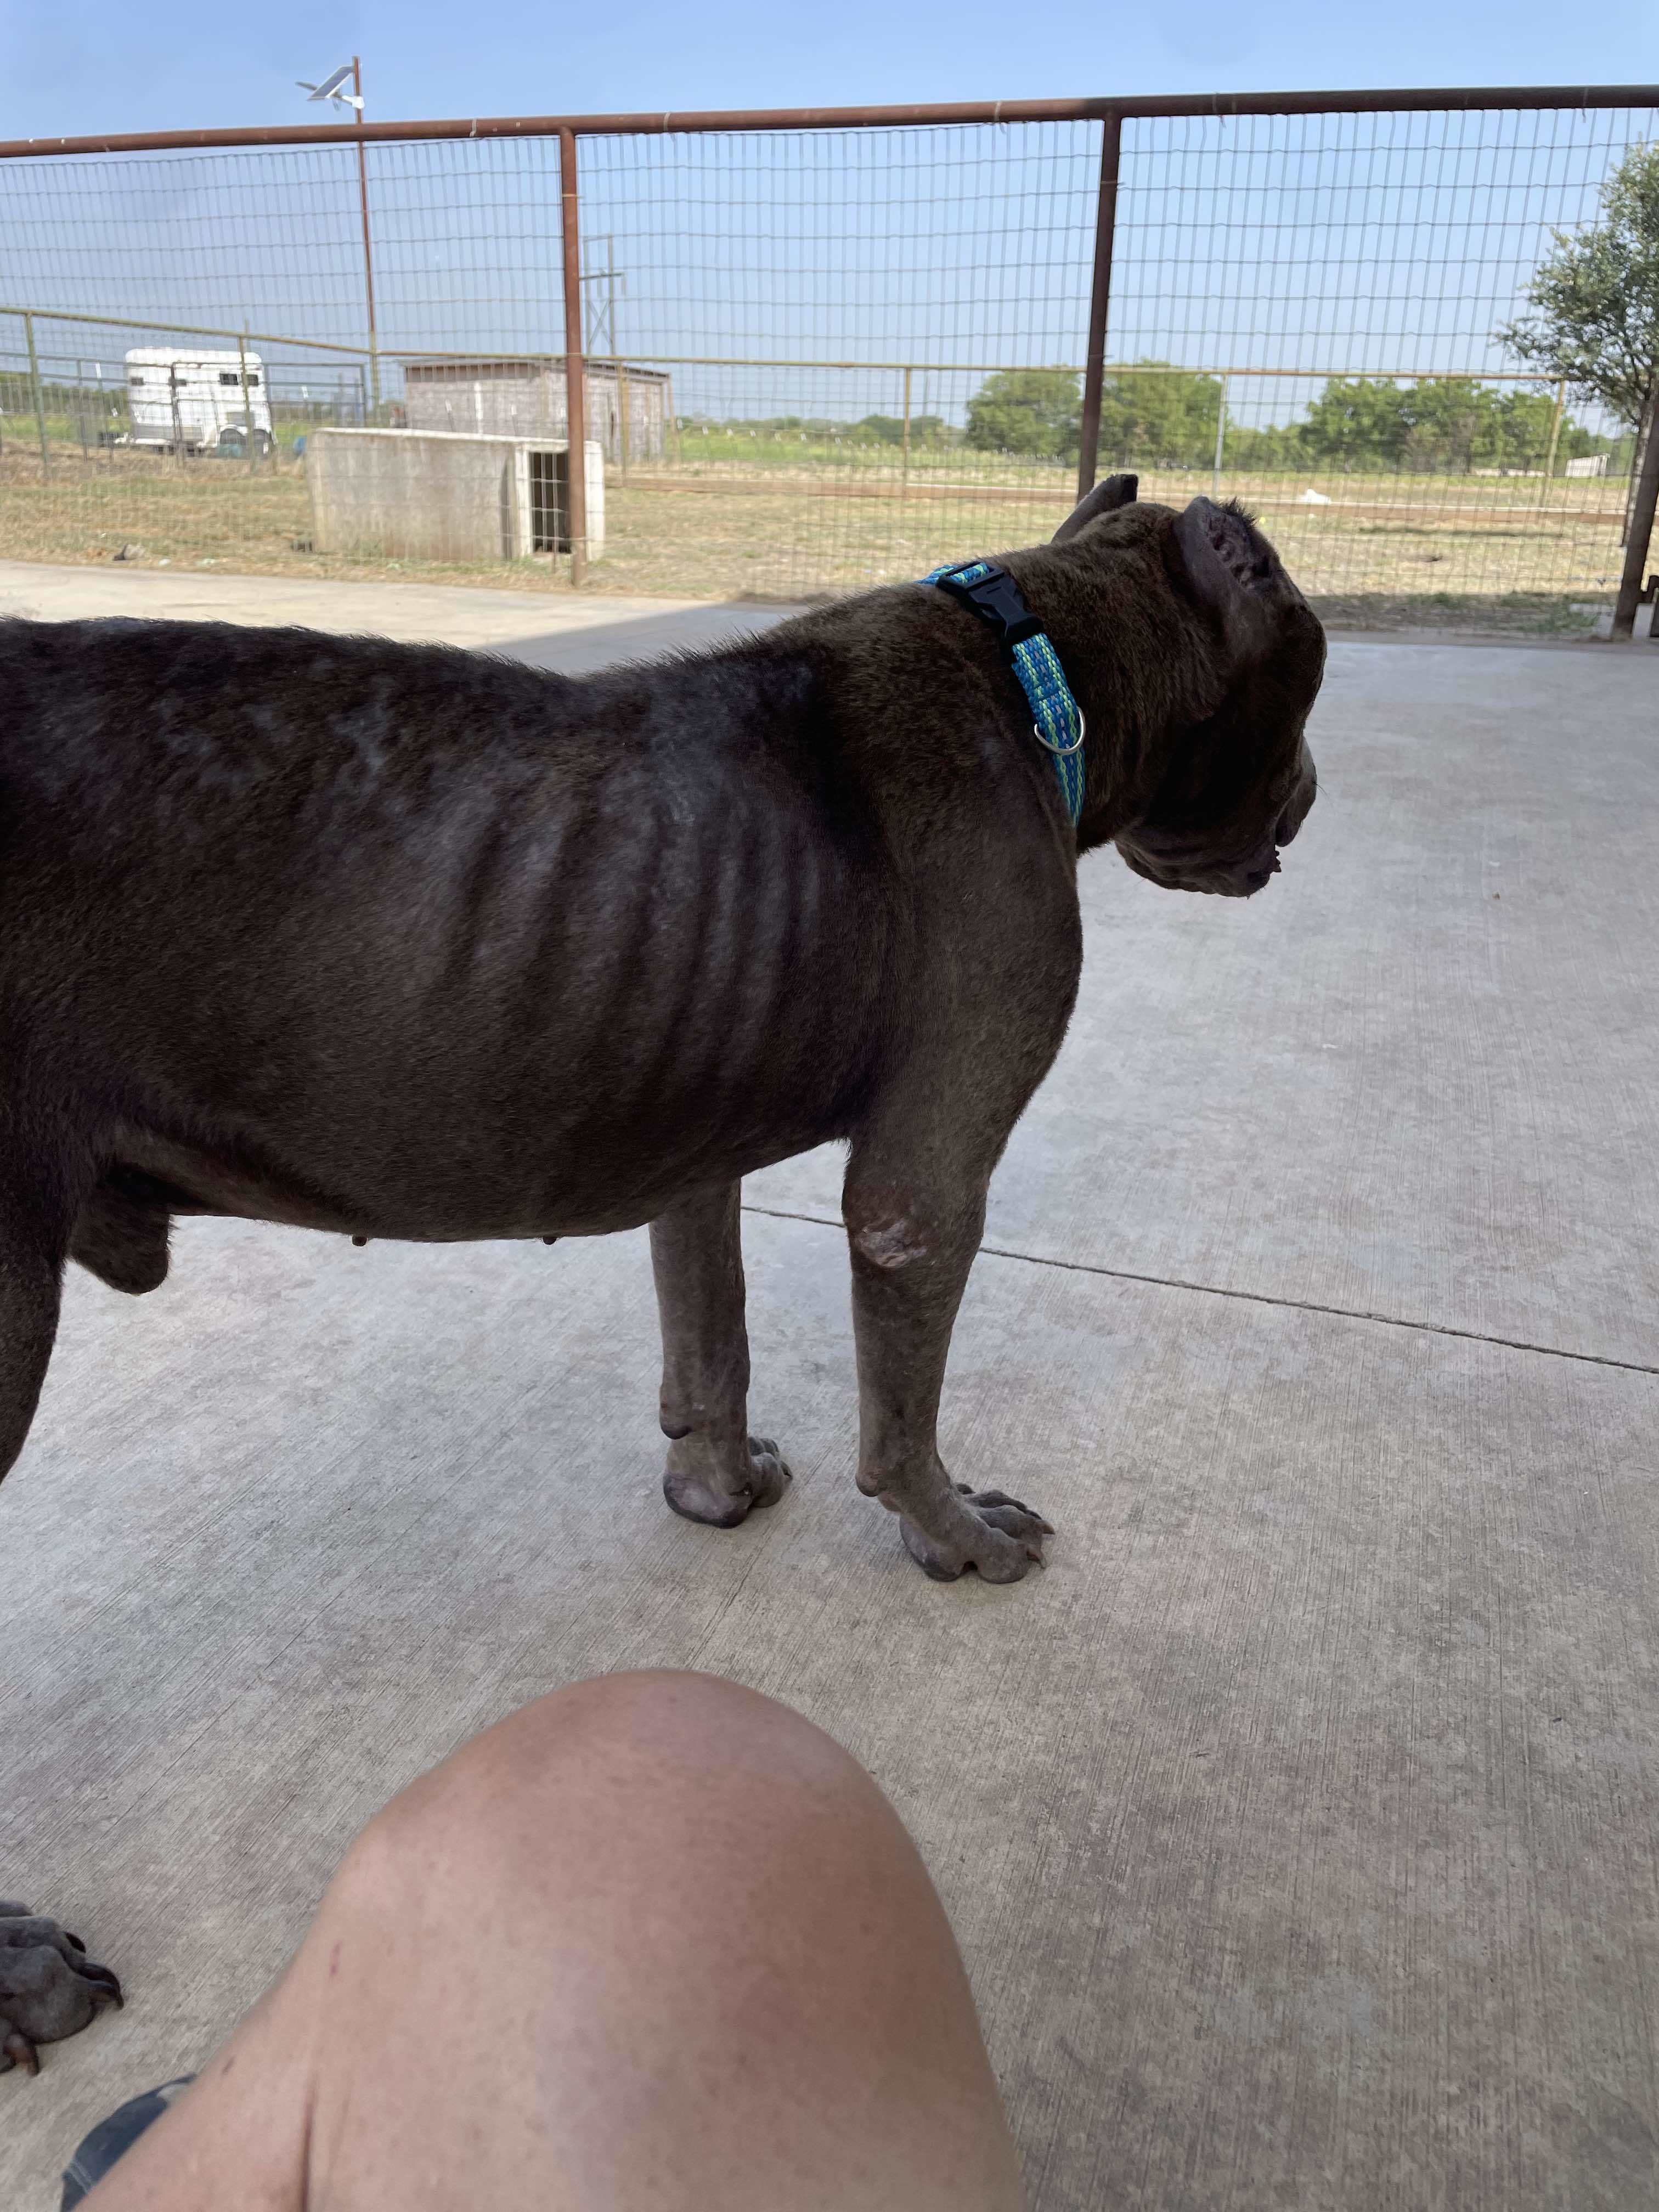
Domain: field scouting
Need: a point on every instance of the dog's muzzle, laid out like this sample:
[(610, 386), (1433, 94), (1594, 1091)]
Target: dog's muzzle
[(1178, 867)]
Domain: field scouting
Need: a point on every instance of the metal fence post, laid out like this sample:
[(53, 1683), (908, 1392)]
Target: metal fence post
[(1100, 291), (35, 395), (1220, 441), (904, 443), (247, 405), (575, 397), (1555, 437), (1641, 523)]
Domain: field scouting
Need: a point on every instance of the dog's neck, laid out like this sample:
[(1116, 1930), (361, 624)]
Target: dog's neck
[(1140, 663)]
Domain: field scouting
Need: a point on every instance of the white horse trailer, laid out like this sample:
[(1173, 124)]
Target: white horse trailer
[(183, 402)]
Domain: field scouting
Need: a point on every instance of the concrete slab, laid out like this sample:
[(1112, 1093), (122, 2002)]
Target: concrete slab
[(1300, 1824), (453, 614), (561, 630), (1417, 1076), (644, 637)]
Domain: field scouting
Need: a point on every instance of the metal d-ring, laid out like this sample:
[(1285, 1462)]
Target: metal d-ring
[(1065, 752)]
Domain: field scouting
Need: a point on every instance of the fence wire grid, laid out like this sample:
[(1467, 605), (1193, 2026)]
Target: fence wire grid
[(816, 360)]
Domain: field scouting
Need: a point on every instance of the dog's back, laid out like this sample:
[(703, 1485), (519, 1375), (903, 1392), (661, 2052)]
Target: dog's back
[(259, 889)]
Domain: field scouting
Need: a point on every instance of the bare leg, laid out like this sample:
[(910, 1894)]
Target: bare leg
[(716, 1470), (914, 1226), (655, 1942)]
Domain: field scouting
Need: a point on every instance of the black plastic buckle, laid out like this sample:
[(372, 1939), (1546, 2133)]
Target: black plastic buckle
[(998, 601)]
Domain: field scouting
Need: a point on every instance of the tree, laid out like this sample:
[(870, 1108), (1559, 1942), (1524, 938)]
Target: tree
[(1027, 411), (1454, 427), (1516, 431), (1596, 298), (1357, 422), (1450, 427), (1444, 426), (1273, 451), (1167, 416)]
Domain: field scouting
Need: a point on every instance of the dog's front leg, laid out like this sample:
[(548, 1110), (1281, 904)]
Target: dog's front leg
[(913, 1227), (716, 1470), (36, 1210)]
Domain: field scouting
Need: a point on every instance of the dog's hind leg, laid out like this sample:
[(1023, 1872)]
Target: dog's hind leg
[(914, 1215), (716, 1470)]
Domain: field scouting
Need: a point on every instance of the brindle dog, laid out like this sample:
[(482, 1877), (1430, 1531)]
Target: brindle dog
[(398, 941)]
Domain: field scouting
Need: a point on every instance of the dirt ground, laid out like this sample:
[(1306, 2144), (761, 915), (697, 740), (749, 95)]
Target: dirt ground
[(1515, 555)]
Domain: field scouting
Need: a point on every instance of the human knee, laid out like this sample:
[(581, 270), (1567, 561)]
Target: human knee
[(614, 1751), (645, 1717)]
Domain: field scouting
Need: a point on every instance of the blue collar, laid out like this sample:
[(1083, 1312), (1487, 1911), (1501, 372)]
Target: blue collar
[(1057, 721)]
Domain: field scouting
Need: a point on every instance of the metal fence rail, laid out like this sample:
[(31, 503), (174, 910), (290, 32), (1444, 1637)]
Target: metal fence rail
[(807, 352)]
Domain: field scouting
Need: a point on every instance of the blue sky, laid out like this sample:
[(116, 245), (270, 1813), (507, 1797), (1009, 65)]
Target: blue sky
[(1392, 244), (86, 65)]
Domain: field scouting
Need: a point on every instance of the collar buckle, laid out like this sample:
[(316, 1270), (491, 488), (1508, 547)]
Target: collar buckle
[(993, 595)]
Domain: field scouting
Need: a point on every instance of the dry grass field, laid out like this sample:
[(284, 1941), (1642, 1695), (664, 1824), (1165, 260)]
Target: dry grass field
[(728, 518)]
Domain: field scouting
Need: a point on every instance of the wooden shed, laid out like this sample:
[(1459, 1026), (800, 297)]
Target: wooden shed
[(504, 398)]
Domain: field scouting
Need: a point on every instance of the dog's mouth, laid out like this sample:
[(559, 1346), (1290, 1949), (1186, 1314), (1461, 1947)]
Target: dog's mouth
[(1177, 866), (1229, 879)]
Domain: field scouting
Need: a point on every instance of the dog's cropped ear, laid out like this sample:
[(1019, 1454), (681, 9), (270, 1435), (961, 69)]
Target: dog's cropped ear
[(1233, 572), (1105, 499)]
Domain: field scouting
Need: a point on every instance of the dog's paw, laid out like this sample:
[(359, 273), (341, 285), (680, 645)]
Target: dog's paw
[(49, 1988), (991, 1532), (700, 1488)]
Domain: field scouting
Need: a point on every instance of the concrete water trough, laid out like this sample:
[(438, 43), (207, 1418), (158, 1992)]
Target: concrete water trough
[(446, 496)]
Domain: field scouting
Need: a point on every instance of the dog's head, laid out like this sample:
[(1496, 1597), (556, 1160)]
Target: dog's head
[(1233, 787)]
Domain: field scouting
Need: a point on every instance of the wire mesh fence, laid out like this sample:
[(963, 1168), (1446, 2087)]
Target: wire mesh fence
[(816, 359)]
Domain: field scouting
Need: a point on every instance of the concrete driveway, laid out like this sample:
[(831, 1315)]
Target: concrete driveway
[(1299, 1824)]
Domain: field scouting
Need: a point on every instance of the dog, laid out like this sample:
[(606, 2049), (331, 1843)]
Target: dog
[(399, 941), (403, 941)]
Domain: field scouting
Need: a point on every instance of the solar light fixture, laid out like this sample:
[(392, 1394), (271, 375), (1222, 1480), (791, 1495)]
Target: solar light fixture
[(330, 87)]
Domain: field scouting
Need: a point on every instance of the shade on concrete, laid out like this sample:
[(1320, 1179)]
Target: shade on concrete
[(1299, 1823), (413, 612)]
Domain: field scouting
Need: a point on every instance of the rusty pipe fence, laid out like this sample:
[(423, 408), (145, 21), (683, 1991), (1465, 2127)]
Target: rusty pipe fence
[(788, 353)]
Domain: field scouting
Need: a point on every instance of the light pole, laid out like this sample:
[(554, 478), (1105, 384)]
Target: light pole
[(332, 88)]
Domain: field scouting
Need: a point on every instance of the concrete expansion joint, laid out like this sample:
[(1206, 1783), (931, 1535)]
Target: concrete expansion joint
[(1261, 1298)]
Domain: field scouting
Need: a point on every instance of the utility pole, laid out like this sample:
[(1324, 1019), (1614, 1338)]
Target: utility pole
[(368, 251), (602, 305), (575, 392), (333, 88)]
